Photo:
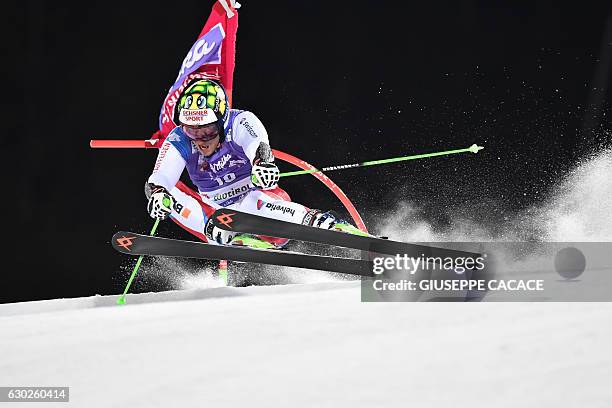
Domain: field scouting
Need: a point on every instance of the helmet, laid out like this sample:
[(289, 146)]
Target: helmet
[(204, 101)]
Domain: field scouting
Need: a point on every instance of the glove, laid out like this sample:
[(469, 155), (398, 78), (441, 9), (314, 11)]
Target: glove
[(218, 235), (265, 175), (160, 203)]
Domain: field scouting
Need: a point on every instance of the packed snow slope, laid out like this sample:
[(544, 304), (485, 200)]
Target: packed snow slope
[(313, 345)]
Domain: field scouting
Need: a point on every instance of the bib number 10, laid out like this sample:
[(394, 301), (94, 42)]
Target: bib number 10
[(228, 178)]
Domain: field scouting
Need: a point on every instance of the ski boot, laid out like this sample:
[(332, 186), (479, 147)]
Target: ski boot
[(331, 220), (222, 237), (251, 241)]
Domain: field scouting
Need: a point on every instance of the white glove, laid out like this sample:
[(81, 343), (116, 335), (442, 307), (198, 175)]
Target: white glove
[(218, 235), (160, 204), (265, 175)]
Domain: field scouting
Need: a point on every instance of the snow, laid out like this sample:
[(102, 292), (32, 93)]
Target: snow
[(315, 344), (307, 345)]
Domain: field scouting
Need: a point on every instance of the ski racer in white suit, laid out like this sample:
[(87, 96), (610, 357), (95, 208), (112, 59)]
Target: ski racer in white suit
[(228, 158)]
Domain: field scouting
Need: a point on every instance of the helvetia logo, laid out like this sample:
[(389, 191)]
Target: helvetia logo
[(276, 207)]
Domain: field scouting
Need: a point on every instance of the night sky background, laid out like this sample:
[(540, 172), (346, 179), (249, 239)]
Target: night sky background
[(333, 83)]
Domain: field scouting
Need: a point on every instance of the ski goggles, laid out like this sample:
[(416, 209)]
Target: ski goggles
[(202, 133)]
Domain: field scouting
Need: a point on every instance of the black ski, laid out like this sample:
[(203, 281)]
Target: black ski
[(232, 220), (136, 244)]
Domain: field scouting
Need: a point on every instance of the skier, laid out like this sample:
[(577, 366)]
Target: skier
[(228, 158)]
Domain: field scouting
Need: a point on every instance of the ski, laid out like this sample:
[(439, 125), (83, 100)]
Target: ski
[(136, 244), (233, 220)]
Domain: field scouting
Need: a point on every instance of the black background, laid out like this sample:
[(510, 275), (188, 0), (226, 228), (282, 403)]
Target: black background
[(333, 83)]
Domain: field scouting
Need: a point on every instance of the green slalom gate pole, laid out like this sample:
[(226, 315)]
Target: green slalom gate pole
[(121, 301), (472, 149)]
